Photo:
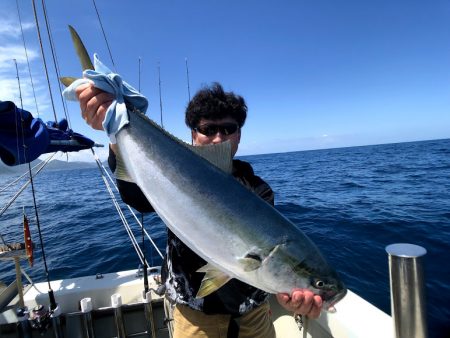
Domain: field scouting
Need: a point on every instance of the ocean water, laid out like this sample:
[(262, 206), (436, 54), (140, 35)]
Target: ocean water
[(352, 202)]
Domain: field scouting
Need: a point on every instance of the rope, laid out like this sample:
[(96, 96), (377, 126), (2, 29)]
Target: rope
[(26, 55)]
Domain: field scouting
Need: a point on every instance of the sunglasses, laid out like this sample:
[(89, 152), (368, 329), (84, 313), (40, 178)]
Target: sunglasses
[(213, 129)]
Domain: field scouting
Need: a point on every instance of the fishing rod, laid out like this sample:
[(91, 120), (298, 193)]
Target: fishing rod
[(146, 288), (187, 79), (41, 318), (53, 304), (55, 59), (104, 34), (26, 55), (160, 97), (44, 60)]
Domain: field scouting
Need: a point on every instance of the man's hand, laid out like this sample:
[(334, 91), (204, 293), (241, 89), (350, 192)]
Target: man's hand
[(93, 103), (302, 302)]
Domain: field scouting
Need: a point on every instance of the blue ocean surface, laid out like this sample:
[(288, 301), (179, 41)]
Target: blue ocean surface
[(352, 202)]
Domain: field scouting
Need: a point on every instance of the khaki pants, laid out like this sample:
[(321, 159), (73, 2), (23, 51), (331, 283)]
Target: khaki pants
[(189, 323)]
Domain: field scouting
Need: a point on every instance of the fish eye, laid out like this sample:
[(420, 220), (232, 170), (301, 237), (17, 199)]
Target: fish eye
[(319, 284)]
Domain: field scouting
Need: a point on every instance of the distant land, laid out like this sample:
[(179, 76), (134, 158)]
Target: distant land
[(53, 165)]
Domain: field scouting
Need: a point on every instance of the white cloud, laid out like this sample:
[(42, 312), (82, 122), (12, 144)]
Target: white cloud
[(12, 28), (11, 47)]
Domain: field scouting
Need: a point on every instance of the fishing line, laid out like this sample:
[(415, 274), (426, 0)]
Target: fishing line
[(105, 171), (20, 177), (160, 97), (119, 210), (43, 59), (187, 79), (104, 35), (8, 204), (26, 55), (20, 96), (55, 58)]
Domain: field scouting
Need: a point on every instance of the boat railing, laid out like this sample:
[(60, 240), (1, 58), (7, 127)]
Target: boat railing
[(407, 290)]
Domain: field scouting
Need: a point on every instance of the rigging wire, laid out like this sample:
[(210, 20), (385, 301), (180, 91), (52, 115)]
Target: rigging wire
[(26, 55), (55, 58), (43, 59), (104, 35)]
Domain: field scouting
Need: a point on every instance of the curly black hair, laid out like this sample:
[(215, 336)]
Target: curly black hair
[(213, 103)]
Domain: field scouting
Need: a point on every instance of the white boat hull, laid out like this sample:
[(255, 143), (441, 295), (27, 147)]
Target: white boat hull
[(354, 318)]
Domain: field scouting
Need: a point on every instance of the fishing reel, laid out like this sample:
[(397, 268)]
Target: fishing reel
[(40, 318)]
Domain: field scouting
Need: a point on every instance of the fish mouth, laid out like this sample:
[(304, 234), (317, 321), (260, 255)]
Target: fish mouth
[(331, 298)]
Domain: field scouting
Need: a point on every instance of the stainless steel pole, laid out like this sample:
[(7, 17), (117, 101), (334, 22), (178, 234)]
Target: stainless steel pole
[(407, 290)]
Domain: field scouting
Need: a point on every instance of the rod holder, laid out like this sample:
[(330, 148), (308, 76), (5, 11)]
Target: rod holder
[(56, 322), (408, 304), (116, 303), (23, 325), (148, 312), (88, 325)]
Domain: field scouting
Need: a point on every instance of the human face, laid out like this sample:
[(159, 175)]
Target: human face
[(200, 140)]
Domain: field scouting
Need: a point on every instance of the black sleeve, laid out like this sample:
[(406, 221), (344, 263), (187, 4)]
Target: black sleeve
[(244, 173), (130, 193)]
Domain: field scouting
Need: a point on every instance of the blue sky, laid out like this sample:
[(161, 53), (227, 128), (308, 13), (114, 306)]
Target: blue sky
[(315, 74)]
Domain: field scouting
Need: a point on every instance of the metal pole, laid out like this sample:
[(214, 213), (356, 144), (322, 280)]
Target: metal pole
[(19, 281), (407, 290)]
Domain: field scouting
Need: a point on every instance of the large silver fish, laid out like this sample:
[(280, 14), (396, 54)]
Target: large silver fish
[(238, 233)]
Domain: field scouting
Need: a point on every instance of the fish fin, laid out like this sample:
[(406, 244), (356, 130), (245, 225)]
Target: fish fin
[(249, 263), (218, 154), (214, 279), (82, 53), (67, 80), (121, 171)]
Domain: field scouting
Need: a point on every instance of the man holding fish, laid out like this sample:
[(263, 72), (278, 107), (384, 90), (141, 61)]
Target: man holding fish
[(230, 308)]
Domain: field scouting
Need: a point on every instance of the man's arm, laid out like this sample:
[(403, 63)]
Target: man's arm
[(94, 104)]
